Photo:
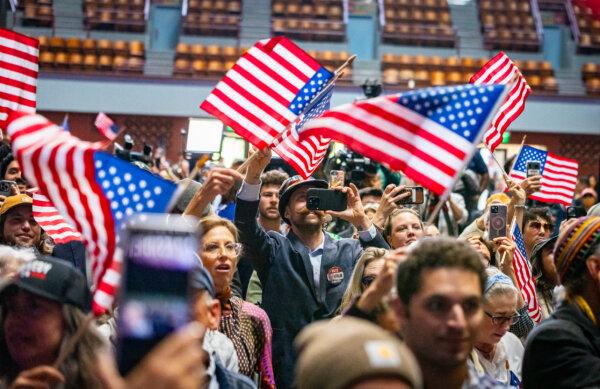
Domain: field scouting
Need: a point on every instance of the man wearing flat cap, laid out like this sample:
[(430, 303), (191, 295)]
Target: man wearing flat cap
[(564, 351)]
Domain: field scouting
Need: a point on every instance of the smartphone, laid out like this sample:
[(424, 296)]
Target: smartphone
[(497, 221), (6, 187), (159, 251), (318, 199), (533, 168), (575, 212), (416, 196)]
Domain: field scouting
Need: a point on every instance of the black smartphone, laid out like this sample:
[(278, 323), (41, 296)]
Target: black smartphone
[(533, 168), (416, 197), (497, 218), (318, 199), (159, 251), (575, 212), (6, 187)]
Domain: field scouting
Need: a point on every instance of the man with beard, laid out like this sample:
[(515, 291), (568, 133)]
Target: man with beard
[(305, 273), (537, 227), (19, 228)]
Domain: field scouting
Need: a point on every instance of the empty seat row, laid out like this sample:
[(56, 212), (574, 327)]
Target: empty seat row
[(419, 35), (90, 62), (589, 29), (415, 3), (313, 30), (215, 6), (37, 13), (508, 25), (417, 16), (91, 46), (212, 52), (211, 24), (200, 67), (114, 15), (321, 11), (590, 70)]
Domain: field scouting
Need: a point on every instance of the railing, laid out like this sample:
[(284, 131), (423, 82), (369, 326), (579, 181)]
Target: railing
[(535, 9), (572, 20)]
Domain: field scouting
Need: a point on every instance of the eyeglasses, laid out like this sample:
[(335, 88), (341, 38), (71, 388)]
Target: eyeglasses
[(538, 225), (502, 320), (214, 249), (367, 280)]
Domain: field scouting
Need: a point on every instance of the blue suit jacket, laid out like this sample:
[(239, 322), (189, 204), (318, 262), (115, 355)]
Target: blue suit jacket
[(290, 297)]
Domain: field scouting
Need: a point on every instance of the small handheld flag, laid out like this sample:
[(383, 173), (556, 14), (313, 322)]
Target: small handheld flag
[(106, 126)]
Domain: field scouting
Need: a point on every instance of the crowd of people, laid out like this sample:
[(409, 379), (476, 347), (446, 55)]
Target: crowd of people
[(373, 296)]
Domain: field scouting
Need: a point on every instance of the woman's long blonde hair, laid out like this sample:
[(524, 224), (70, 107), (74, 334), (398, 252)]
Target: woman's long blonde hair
[(355, 287)]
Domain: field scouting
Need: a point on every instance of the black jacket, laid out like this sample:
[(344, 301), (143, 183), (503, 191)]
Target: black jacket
[(563, 352), (285, 272)]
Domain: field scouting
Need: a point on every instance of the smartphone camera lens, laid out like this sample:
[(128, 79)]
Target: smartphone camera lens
[(494, 209), (313, 202)]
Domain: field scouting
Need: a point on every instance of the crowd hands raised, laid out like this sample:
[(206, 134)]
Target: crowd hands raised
[(382, 294)]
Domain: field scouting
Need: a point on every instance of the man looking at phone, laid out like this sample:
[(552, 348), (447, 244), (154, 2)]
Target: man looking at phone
[(537, 227), (305, 273)]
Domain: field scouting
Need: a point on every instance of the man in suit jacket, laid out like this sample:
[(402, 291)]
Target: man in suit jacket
[(305, 273)]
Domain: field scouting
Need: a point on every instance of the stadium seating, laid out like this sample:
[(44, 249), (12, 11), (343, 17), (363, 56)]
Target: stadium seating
[(589, 29), (212, 17), (508, 25), (37, 13), (422, 71), (114, 15), (421, 22), (204, 61), (74, 54), (590, 73), (316, 20)]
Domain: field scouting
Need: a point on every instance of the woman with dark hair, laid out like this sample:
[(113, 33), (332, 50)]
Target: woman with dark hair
[(40, 311), (246, 324)]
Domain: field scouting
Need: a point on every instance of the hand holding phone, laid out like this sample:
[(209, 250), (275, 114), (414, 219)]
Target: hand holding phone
[(318, 199), (575, 212), (533, 168), (416, 195), (497, 218), (6, 188)]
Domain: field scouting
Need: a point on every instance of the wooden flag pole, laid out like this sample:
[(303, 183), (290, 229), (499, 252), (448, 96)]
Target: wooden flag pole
[(72, 342)]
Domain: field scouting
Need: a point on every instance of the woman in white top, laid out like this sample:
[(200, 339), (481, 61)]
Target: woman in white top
[(498, 352)]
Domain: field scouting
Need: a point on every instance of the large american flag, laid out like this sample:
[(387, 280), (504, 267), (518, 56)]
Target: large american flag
[(92, 189), (106, 126), (305, 155), (266, 90), (429, 134), (501, 70), (524, 277), (559, 175), (18, 73), (52, 222)]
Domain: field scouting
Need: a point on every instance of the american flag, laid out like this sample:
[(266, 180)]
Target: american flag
[(18, 73), (501, 70), (92, 189), (305, 155), (52, 222), (266, 90), (429, 134), (106, 126), (559, 175), (523, 273)]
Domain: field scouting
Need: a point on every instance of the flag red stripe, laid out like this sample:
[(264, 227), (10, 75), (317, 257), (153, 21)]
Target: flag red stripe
[(258, 83), (17, 68), (19, 54), (17, 99), (290, 67), (24, 39), (303, 56)]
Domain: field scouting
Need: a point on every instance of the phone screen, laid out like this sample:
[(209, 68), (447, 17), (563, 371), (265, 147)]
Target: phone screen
[(154, 300)]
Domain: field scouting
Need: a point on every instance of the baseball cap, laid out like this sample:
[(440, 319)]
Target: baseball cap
[(337, 354), (53, 279), (13, 201), (290, 185), (200, 280)]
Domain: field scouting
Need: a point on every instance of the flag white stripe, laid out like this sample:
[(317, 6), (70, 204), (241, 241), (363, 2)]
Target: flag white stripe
[(20, 77), (276, 67), (250, 107), (15, 106), (18, 61), (236, 116), (270, 82), (12, 44), (561, 162), (294, 61), (12, 90)]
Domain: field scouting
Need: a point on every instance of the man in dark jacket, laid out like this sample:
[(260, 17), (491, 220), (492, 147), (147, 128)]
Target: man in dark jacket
[(305, 273), (564, 351)]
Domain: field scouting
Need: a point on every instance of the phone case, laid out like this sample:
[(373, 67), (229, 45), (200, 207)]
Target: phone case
[(497, 222), (318, 199)]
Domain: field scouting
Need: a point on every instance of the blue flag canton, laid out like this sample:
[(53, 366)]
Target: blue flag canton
[(518, 238), (310, 90), (131, 189), (529, 153), (464, 109), (317, 110)]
